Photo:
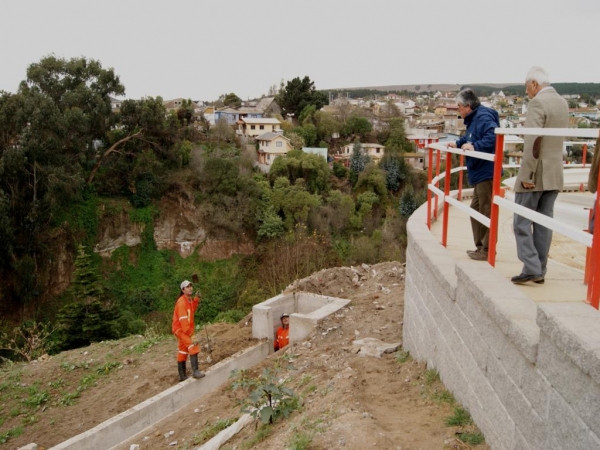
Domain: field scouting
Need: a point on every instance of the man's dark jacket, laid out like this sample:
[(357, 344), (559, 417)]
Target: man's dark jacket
[(480, 132)]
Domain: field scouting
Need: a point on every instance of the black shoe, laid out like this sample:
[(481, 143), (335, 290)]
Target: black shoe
[(523, 278), (542, 281)]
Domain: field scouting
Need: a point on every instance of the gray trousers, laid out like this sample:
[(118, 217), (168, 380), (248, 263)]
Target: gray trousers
[(481, 202), (533, 240)]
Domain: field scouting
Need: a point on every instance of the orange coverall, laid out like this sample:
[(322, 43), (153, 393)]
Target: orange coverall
[(183, 326), (282, 338)]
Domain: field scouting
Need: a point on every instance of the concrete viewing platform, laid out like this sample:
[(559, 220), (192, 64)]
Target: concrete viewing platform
[(564, 279)]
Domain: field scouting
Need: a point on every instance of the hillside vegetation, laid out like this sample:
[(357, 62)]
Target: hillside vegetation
[(70, 164)]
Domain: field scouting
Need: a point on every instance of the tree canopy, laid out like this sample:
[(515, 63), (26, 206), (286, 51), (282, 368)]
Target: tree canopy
[(298, 94)]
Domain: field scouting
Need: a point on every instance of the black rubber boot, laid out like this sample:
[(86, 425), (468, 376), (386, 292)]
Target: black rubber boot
[(195, 372), (181, 369)]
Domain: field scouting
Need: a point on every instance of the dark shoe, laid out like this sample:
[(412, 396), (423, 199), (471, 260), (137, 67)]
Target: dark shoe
[(181, 369), (542, 281), (195, 371), (478, 255), (523, 278)]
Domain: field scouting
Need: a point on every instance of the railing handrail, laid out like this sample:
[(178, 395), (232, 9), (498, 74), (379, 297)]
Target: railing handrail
[(573, 233), (558, 132)]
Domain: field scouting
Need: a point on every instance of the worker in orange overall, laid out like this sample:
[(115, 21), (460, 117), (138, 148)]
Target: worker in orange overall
[(183, 328), (282, 336)]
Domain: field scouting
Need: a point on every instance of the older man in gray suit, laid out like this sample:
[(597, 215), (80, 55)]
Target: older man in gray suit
[(540, 177)]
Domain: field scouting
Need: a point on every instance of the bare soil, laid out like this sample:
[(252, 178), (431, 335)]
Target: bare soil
[(348, 401)]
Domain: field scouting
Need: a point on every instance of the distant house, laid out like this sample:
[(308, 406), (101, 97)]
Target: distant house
[(174, 104), (590, 113), (115, 104), (265, 107), (374, 151), (271, 146), (423, 140), (316, 151), (253, 127), (231, 115)]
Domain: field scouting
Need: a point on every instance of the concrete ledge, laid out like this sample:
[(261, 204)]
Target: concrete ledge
[(306, 310), (133, 421)]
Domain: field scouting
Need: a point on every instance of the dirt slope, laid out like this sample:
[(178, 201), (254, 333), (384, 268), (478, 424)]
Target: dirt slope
[(348, 401)]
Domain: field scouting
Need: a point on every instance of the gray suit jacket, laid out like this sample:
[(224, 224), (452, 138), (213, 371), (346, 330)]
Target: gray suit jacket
[(546, 110)]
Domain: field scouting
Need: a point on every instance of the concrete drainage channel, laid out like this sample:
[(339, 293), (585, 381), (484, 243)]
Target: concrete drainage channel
[(306, 310)]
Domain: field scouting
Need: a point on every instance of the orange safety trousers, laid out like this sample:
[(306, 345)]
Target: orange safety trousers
[(183, 327)]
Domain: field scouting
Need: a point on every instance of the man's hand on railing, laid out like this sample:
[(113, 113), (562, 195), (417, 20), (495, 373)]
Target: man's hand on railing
[(451, 144), (468, 146)]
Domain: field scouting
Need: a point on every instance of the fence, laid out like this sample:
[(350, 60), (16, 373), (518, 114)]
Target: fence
[(583, 237)]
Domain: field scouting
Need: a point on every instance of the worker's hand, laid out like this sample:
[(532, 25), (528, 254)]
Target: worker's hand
[(451, 144), (468, 146)]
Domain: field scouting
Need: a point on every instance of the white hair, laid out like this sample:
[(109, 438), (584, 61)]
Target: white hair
[(538, 74)]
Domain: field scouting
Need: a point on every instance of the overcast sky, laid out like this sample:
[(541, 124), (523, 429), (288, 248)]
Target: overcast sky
[(203, 48)]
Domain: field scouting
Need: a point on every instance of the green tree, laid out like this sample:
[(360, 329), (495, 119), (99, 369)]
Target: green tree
[(408, 203), (86, 319), (358, 161), (327, 125), (357, 125), (298, 94), (309, 133), (312, 169), (232, 100)]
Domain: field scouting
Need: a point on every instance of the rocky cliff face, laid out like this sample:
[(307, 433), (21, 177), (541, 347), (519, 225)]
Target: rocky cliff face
[(178, 227)]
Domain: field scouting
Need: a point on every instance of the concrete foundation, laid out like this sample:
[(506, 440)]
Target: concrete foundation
[(306, 310)]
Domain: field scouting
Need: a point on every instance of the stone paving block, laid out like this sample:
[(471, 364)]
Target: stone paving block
[(536, 388), (575, 329), (487, 328), (520, 409), (521, 443), (525, 335), (593, 441), (477, 346), (512, 361), (565, 428), (570, 382)]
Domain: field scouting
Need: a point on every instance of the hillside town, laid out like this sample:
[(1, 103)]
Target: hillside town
[(428, 118)]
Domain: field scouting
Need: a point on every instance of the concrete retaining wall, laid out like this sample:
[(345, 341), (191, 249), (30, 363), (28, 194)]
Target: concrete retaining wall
[(131, 422), (528, 373), (306, 310)]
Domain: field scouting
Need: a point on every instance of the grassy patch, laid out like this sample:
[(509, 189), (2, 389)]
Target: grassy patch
[(474, 438), (300, 441), (263, 432), (431, 376), (13, 432), (105, 369), (402, 356), (443, 396), (459, 418)]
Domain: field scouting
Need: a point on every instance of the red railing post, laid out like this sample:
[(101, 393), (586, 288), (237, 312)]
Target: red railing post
[(460, 178), (437, 174), (495, 212), (593, 293), (446, 193), (429, 176)]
